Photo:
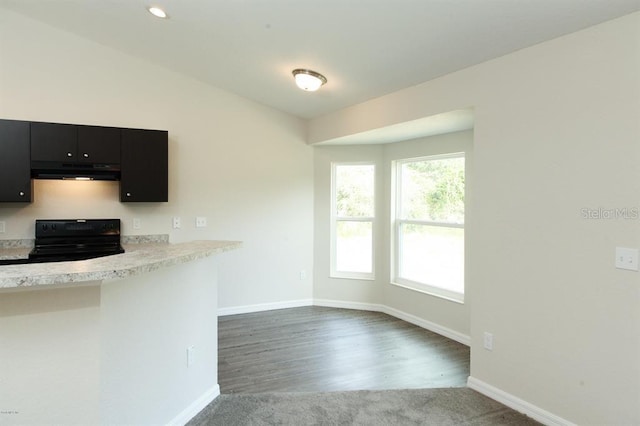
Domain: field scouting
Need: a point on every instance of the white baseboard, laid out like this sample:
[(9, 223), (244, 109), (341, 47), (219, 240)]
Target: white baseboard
[(195, 407), (517, 404), (247, 309), (428, 325), (431, 326), (328, 303)]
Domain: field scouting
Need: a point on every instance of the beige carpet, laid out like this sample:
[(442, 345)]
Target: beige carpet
[(451, 406)]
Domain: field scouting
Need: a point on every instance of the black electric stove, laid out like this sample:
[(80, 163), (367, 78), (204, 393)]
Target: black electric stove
[(75, 239)]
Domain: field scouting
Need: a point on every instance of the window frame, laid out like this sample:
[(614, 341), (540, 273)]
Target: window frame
[(334, 219), (396, 235)]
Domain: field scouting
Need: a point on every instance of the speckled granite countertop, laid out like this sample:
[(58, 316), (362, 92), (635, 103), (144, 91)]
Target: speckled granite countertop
[(137, 259)]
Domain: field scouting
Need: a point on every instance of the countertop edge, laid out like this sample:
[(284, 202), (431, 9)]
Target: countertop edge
[(142, 259)]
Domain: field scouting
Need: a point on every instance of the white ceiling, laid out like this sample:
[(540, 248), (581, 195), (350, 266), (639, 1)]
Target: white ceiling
[(365, 48)]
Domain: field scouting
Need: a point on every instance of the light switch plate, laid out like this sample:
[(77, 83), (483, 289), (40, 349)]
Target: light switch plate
[(136, 223), (176, 222), (488, 341), (191, 356), (2, 228), (627, 258), (201, 222)]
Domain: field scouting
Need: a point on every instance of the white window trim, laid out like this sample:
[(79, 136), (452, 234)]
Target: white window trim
[(333, 272), (395, 232)]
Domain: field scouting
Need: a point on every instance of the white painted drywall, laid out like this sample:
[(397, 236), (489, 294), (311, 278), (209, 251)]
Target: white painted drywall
[(147, 322), (557, 130), (243, 166), (50, 356)]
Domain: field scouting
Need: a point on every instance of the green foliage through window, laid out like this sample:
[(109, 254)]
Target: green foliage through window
[(433, 190), (354, 190)]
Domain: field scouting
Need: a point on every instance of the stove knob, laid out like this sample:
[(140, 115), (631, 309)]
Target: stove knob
[(45, 227)]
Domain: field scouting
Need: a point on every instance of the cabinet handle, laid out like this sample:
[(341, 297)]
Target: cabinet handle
[(69, 154), (85, 155), (21, 193)]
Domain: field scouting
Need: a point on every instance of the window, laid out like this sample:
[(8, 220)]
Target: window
[(428, 225), (352, 217)]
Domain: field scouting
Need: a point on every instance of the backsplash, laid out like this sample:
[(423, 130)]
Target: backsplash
[(144, 239), (10, 244), (124, 239)]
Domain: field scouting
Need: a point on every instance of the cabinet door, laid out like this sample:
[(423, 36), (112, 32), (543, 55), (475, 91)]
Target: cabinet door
[(144, 165), (53, 142), (15, 173), (98, 144)]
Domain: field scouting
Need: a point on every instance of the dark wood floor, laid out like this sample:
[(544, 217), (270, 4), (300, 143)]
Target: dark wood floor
[(326, 349)]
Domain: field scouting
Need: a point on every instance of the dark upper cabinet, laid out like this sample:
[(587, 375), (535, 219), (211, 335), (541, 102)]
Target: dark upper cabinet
[(99, 144), (15, 175), (54, 142), (75, 144), (138, 158), (144, 166)]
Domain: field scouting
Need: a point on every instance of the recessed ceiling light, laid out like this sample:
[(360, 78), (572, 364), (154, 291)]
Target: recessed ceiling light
[(308, 80), (156, 11)]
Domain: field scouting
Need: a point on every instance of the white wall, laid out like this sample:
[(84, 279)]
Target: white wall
[(147, 322), (556, 130), (244, 166), (50, 356), (443, 313)]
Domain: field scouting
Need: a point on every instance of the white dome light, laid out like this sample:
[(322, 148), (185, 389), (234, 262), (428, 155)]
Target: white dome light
[(308, 80), (156, 11)]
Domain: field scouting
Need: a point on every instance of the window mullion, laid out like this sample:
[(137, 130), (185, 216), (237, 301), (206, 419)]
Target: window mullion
[(353, 219)]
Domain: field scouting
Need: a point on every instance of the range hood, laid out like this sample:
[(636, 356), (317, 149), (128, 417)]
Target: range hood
[(77, 171)]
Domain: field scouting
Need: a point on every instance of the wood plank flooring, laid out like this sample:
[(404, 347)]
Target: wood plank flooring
[(326, 349)]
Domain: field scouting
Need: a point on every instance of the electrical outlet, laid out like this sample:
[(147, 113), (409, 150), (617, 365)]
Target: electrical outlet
[(2, 227), (136, 223), (191, 356), (488, 341), (303, 274), (201, 222), (176, 222), (627, 258)]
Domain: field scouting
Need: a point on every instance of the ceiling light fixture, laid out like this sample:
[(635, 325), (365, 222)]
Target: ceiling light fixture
[(158, 12), (308, 80)]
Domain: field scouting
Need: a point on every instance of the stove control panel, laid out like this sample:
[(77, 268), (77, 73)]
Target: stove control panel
[(77, 227)]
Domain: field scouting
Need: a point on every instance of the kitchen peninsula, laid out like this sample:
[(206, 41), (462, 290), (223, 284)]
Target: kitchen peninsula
[(129, 338), (137, 259)]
